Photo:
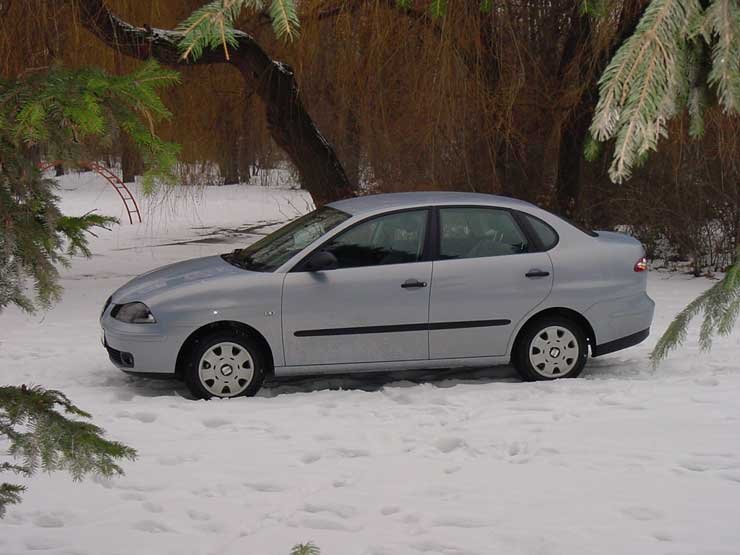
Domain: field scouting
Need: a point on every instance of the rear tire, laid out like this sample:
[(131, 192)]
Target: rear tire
[(550, 348), (224, 364)]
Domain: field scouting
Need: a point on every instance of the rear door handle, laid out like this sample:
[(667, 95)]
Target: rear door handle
[(536, 273), (413, 283)]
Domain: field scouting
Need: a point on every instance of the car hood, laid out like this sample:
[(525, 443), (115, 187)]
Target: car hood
[(173, 276)]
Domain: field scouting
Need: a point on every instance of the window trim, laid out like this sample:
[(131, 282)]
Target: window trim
[(426, 253), (519, 221)]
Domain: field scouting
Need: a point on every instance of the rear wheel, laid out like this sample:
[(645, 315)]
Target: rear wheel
[(225, 363), (550, 348)]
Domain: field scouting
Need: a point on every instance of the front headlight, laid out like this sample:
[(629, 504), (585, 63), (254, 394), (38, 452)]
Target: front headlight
[(133, 313)]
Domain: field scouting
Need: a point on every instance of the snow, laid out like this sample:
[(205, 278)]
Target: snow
[(623, 460)]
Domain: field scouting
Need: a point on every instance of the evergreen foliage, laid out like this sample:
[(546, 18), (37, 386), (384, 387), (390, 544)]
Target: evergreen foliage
[(720, 305), (212, 25), (45, 433), (681, 53), (662, 68), (305, 549), (69, 116)]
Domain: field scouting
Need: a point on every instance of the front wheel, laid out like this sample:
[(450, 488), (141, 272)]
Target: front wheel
[(550, 348), (225, 364)]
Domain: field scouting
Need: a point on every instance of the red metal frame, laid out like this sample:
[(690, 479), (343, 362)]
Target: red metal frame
[(132, 207)]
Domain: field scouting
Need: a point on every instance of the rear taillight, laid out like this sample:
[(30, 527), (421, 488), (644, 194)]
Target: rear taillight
[(641, 265)]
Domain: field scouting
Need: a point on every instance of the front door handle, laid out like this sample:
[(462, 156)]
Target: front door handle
[(536, 273), (413, 284)]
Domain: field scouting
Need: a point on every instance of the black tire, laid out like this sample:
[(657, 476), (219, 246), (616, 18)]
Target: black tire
[(192, 375), (521, 360)]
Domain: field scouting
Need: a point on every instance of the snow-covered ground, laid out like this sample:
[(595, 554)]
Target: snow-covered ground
[(624, 460)]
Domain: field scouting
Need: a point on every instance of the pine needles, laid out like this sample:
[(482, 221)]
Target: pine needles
[(720, 305), (212, 26), (46, 434), (66, 115), (647, 82)]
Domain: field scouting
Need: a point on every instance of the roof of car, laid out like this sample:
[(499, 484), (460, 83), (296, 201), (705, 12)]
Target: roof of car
[(390, 201)]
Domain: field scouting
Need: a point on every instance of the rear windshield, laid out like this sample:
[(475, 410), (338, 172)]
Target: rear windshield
[(579, 227)]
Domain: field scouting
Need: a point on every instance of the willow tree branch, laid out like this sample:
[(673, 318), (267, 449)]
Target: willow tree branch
[(290, 125)]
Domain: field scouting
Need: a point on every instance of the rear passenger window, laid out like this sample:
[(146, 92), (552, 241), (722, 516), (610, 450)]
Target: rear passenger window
[(478, 232), (545, 233)]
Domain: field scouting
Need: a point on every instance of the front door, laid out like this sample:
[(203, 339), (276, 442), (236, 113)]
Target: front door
[(374, 307), (486, 279)]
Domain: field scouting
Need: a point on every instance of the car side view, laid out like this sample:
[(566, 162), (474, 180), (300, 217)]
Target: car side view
[(387, 282)]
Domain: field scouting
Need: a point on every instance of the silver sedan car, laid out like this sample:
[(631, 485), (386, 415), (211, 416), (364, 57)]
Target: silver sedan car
[(387, 282)]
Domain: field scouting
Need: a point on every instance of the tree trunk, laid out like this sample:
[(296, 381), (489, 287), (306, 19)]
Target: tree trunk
[(131, 162), (290, 125)]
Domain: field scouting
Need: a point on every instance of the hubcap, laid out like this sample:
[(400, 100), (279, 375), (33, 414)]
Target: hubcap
[(226, 369), (554, 351)]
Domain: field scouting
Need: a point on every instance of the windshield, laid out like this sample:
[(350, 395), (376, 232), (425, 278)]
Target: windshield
[(271, 252)]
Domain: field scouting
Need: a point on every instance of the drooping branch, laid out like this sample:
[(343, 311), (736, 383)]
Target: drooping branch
[(290, 125)]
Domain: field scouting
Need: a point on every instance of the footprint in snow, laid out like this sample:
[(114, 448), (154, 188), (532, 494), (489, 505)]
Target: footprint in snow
[(48, 520), (215, 422), (352, 453), (707, 381), (198, 515), (143, 417), (153, 507), (265, 487), (320, 523), (449, 444), (151, 526), (642, 513), (459, 522), (341, 511), (390, 510), (310, 458), (40, 543)]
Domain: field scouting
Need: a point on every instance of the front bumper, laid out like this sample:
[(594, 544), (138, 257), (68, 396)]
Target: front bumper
[(140, 348)]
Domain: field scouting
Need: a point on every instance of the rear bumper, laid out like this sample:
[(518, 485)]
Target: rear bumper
[(619, 344), (616, 320)]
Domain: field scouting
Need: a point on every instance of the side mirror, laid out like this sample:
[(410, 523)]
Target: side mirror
[(322, 260)]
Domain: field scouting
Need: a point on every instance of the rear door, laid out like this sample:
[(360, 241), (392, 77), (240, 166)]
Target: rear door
[(488, 276), (374, 307)]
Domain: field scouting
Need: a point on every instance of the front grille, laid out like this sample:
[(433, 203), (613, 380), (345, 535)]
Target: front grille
[(120, 358)]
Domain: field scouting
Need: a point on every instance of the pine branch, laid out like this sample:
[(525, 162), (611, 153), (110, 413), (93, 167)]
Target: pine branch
[(45, 432), (721, 29), (10, 494), (720, 305), (284, 14), (305, 549)]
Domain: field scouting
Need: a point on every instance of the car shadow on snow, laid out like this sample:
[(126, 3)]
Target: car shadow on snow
[(129, 386)]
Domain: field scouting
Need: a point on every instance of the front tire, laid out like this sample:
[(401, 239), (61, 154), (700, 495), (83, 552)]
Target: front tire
[(225, 364), (550, 348)]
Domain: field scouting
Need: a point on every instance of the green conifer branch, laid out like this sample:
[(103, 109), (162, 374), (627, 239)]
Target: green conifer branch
[(46, 433)]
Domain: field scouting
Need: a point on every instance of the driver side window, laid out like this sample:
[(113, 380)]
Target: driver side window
[(393, 239)]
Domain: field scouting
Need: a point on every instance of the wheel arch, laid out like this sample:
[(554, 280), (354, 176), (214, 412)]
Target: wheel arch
[(569, 313), (192, 339)]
